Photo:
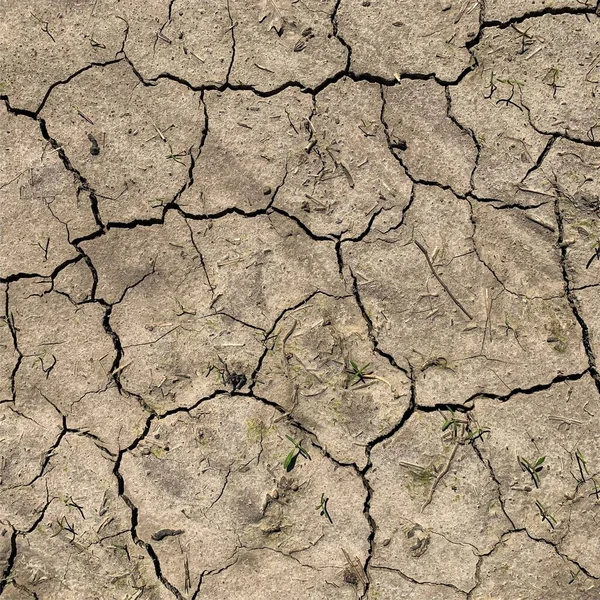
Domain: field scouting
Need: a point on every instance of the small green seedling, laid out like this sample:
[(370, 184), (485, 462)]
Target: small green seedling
[(176, 157), (574, 575), (493, 87), (64, 525), (532, 469), (546, 516), (70, 502), (363, 374), (453, 424), (595, 256), (510, 328), (323, 508), (474, 434), (582, 466), (182, 310), (462, 429), (551, 79), (290, 461), (596, 491), (359, 373)]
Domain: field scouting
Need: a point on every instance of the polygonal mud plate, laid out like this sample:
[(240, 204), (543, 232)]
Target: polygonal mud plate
[(34, 182), (347, 175), (61, 339), (520, 567), (265, 265), (210, 484), (551, 65), (186, 39), (430, 144), (557, 425), (75, 281), (279, 42), (308, 372), (142, 137), (433, 494), (508, 341), (43, 42), (82, 543), (391, 37), (249, 144), (509, 146)]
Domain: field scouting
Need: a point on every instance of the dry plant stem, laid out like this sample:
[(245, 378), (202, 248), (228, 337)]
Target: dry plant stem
[(439, 478), (435, 274)]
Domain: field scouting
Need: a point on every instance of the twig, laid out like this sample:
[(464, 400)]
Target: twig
[(422, 249), (439, 478)]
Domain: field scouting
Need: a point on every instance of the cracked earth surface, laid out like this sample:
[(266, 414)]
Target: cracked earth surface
[(299, 299)]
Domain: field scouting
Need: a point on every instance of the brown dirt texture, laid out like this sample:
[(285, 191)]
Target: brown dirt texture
[(299, 299)]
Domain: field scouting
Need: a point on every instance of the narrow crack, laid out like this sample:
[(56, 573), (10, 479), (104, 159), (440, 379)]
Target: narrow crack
[(10, 561), (5, 576), (159, 34), (232, 27), (562, 555), (485, 555), (13, 333), (488, 465), (468, 131), (45, 459), (540, 159), (363, 474), (395, 152), (370, 327), (418, 582), (339, 37), (556, 134), (269, 334), (571, 297), (538, 387), (82, 182)]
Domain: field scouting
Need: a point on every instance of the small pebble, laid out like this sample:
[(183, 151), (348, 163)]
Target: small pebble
[(266, 190)]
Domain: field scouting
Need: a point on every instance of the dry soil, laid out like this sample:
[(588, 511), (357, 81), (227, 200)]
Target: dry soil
[(300, 299)]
